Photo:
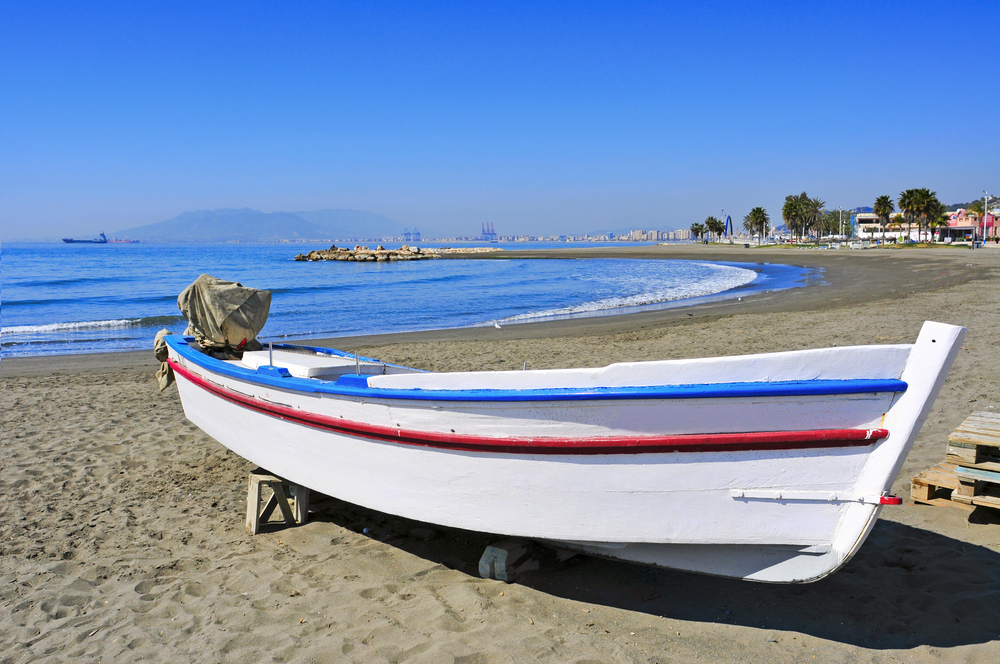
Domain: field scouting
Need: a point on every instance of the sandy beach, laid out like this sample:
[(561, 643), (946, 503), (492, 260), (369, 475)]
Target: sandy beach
[(122, 538)]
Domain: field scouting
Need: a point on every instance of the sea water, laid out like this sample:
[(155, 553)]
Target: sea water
[(63, 298)]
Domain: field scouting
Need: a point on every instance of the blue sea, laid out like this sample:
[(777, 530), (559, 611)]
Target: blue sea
[(63, 298)]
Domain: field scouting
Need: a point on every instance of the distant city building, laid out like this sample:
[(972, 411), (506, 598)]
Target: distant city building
[(640, 235), (673, 236), (962, 225), (867, 223)]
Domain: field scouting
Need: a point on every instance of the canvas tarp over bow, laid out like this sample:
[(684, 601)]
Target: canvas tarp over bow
[(164, 375), (224, 316)]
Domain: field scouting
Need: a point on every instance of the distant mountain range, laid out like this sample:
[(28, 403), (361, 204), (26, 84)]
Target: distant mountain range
[(246, 225)]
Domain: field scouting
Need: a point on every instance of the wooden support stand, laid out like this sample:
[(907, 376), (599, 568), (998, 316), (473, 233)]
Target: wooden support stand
[(296, 512), (507, 560)]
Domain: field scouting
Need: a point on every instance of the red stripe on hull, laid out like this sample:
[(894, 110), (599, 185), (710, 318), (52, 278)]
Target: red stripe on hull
[(715, 442)]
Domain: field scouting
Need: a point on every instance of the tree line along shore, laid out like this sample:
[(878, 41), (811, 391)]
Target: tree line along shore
[(805, 216)]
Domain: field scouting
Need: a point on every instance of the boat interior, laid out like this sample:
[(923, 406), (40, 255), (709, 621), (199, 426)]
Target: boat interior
[(322, 364), (845, 363)]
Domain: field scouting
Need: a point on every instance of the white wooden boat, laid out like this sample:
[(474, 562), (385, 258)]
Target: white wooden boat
[(770, 467)]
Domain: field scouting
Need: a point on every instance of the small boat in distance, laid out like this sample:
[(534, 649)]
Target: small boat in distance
[(101, 240), (770, 467), (123, 240)]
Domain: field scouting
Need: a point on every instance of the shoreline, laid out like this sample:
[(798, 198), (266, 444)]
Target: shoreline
[(775, 277), (856, 276)]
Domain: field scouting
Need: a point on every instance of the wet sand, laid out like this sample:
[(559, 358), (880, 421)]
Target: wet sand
[(122, 538)]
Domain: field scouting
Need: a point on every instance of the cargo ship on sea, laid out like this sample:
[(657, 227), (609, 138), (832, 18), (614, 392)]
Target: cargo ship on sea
[(100, 240)]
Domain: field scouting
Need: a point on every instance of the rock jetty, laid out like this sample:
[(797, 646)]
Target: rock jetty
[(405, 253)]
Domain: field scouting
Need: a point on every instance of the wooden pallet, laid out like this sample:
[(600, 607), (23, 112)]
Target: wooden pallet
[(939, 485), (976, 442), (970, 473), (986, 485)]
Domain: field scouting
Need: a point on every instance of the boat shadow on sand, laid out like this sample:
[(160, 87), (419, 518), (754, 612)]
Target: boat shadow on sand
[(906, 587)]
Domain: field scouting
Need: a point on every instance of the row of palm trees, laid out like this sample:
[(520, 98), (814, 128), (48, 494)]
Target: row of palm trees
[(756, 222), (804, 215), (711, 226), (920, 205)]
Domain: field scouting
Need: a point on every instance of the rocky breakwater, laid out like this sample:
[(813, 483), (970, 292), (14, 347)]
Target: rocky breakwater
[(381, 254)]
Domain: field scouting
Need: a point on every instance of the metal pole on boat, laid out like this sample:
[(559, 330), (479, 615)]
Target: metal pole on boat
[(357, 363), (270, 353)]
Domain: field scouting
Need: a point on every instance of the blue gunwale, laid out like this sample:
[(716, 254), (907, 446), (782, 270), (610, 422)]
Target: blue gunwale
[(355, 386)]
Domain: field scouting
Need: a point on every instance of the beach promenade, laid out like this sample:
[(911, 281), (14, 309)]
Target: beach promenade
[(122, 535)]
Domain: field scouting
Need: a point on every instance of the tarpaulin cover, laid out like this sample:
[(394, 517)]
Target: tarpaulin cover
[(164, 375), (224, 316)]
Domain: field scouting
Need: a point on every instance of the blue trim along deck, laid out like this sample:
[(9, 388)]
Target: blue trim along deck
[(352, 385)]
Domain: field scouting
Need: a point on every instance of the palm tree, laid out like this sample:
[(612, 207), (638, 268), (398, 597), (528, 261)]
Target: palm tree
[(909, 205), (897, 222), (713, 225), (920, 206), (788, 212), (756, 221), (929, 204), (814, 212), (763, 220), (794, 214), (883, 208), (937, 213), (697, 230), (802, 213), (830, 222)]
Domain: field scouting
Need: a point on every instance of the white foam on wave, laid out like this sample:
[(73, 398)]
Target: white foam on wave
[(721, 279), (70, 327)]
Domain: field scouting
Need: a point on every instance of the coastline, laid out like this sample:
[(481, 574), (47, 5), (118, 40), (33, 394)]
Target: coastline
[(317, 300), (851, 278), (123, 526)]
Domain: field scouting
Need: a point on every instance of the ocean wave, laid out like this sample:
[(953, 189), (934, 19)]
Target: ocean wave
[(76, 341), (395, 280), (103, 280), (85, 300), (725, 278), (79, 326)]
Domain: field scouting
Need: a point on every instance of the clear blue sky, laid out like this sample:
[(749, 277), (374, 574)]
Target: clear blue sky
[(541, 118)]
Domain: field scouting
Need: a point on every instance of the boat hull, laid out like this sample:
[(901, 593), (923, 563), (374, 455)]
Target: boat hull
[(100, 240), (755, 487)]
